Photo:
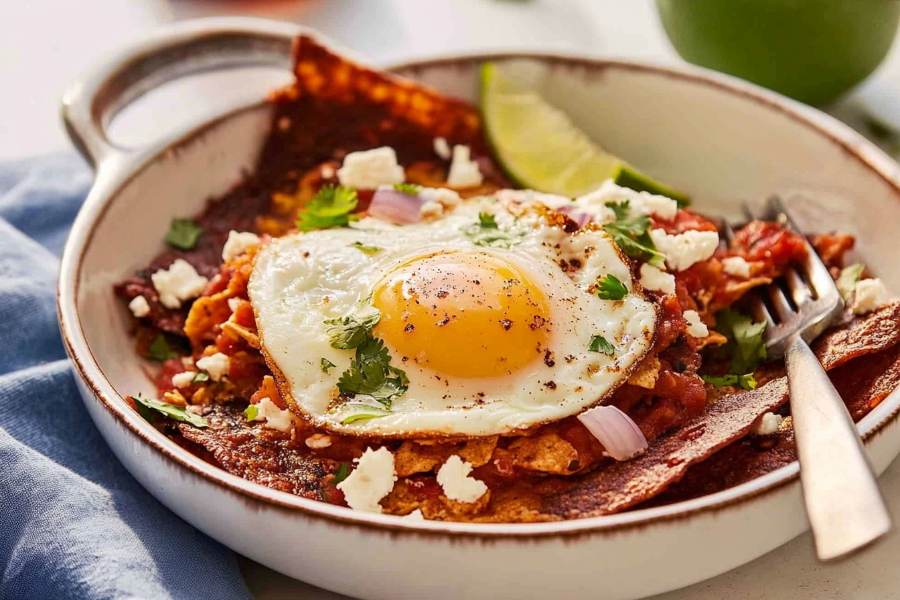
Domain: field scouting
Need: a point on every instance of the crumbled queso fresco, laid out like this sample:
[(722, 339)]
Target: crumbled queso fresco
[(178, 283), (371, 480), (454, 479), (370, 169)]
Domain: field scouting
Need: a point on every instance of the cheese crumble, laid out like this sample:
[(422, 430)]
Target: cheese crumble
[(657, 280), (178, 283), (442, 148), (238, 242), (274, 417), (139, 307), (768, 424), (216, 365), (737, 266), (683, 250), (643, 203), (371, 480), (868, 295), (371, 168), (183, 379), (695, 327), (464, 171), (454, 479)]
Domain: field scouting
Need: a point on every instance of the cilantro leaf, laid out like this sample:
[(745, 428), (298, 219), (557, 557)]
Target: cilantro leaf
[(487, 221), (341, 473), (621, 209), (746, 381), (600, 344), (410, 189), (169, 410), (371, 374), (200, 377), (486, 232), (610, 288), (350, 331), (846, 281), (183, 234), (326, 364), (632, 235), (367, 250), (745, 340), (251, 412), (160, 350), (330, 207)]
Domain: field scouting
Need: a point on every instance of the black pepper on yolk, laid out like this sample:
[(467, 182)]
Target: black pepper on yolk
[(464, 314)]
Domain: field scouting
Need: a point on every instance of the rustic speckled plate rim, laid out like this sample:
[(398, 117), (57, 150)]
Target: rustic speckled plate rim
[(91, 373)]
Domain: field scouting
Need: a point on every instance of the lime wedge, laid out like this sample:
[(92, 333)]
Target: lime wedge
[(540, 148)]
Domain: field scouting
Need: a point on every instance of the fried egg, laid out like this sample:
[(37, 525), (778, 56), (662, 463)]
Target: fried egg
[(493, 327)]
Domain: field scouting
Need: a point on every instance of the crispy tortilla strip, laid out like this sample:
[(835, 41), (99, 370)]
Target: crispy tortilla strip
[(329, 78), (265, 456), (546, 452), (419, 457), (740, 462), (730, 418), (863, 384), (866, 335), (336, 106)]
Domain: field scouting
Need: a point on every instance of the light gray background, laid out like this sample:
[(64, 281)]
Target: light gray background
[(45, 44)]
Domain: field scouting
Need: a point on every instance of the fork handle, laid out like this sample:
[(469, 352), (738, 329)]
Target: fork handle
[(843, 502)]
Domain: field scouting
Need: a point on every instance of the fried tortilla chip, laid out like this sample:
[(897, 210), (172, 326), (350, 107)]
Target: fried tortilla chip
[(262, 455), (336, 106)]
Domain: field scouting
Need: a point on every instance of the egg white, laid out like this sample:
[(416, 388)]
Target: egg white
[(301, 280)]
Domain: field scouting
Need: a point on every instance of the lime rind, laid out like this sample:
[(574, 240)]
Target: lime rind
[(539, 147)]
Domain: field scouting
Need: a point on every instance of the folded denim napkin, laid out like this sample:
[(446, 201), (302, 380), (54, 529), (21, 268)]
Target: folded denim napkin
[(73, 522)]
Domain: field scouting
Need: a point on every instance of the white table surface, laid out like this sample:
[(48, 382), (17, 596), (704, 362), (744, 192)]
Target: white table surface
[(45, 44)]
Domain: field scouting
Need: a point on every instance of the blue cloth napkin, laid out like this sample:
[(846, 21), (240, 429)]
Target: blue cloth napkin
[(73, 522)]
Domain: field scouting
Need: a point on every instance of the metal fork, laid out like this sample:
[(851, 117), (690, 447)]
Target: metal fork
[(843, 502)]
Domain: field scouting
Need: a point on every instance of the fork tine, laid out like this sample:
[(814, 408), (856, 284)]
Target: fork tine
[(761, 312), (748, 213), (799, 290), (780, 303), (727, 233)]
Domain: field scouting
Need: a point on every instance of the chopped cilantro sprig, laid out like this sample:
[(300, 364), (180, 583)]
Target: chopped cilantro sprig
[(602, 345), (410, 189), (341, 473), (160, 350), (351, 330), (846, 282), (632, 234), (486, 232), (371, 374), (183, 234), (746, 345), (745, 381), (332, 206), (610, 288), (150, 409)]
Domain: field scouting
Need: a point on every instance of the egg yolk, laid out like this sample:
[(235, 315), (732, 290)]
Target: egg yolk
[(465, 314)]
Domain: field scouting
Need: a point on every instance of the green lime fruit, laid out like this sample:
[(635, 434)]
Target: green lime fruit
[(539, 147), (811, 50)]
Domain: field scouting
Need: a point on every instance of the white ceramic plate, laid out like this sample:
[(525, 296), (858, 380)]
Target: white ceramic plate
[(721, 140)]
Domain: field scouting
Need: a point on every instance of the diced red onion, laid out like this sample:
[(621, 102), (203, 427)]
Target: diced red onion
[(621, 437), (580, 218), (395, 206)]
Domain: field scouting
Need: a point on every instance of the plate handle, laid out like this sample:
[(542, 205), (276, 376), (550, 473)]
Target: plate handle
[(179, 50)]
